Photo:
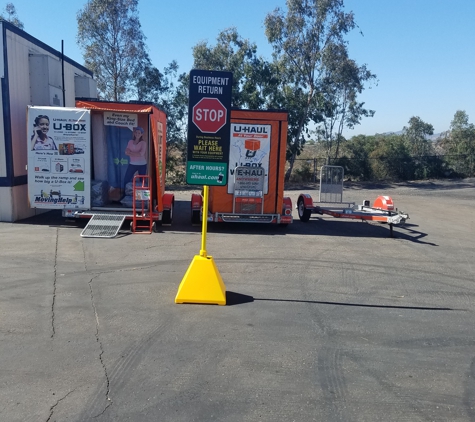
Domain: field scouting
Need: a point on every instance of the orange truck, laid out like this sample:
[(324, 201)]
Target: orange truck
[(255, 188)]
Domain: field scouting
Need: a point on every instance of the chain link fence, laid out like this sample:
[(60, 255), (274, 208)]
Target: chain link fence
[(389, 169)]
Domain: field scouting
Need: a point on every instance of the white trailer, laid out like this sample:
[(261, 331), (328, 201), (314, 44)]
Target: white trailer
[(331, 202)]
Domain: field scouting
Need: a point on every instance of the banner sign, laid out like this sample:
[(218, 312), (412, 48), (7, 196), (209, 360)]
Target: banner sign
[(209, 114), (59, 144), (114, 118), (249, 147)]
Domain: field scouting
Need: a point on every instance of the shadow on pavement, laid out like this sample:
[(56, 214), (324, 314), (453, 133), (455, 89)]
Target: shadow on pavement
[(54, 218), (233, 298), (317, 226)]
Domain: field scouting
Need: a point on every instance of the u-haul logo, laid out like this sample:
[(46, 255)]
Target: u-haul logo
[(250, 129)]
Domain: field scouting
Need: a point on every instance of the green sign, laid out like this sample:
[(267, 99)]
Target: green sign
[(206, 173)]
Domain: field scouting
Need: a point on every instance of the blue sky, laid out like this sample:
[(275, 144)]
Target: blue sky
[(422, 51)]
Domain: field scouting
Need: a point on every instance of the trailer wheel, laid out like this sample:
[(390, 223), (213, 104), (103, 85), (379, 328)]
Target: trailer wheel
[(304, 214), (167, 216), (155, 227)]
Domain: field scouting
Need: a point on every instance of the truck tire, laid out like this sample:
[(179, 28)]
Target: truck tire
[(195, 217), (304, 213)]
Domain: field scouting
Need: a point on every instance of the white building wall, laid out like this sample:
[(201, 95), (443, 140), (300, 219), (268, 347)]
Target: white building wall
[(14, 200), (18, 50), (3, 163), (19, 87)]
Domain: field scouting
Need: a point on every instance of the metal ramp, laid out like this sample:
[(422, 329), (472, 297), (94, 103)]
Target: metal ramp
[(331, 184), (103, 225)]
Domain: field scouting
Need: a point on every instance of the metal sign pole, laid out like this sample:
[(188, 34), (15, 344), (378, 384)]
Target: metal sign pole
[(209, 121), (205, 221)]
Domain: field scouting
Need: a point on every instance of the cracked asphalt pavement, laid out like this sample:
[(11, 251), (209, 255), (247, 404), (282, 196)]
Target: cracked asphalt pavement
[(330, 320)]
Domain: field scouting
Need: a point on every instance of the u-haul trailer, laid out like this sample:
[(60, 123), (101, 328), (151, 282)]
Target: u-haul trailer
[(255, 189), (85, 174), (331, 203)]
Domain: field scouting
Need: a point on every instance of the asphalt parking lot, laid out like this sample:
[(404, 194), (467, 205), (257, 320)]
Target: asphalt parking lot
[(330, 320)]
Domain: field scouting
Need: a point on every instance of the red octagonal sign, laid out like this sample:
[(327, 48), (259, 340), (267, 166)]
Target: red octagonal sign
[(209, 115)]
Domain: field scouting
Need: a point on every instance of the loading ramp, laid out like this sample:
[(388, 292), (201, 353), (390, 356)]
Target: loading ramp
[(104, 225)]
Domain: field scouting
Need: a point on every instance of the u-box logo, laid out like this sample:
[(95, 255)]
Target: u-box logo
[(252, 146)]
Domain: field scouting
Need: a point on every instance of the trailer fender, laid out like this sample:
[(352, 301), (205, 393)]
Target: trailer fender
[(384, 203), (286, 216), (287, 206), (196, 201), (196, 205), (304, 207), (168, 201), (306, 199)]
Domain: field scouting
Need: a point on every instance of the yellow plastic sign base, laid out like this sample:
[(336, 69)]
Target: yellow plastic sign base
[(202, 283)]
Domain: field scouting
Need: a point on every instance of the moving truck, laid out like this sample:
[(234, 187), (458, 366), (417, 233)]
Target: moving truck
[(255, 189)]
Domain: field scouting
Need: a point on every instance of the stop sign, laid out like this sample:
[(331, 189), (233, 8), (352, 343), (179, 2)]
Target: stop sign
[(209, 115)]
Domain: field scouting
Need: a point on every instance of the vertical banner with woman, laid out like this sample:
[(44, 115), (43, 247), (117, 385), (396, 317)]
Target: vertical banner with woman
[(127, 147), (59, 145)]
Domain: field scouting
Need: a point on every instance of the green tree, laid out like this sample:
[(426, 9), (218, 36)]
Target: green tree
[(113, 45), (337, 106), (254, 79), (462, 134), (293, 99), (417, 136), (308, 41), (257, 84), (9, 15), (150, 84), (356, 157), (459, 143), (391, 158), (169, 90), (174, 100)]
